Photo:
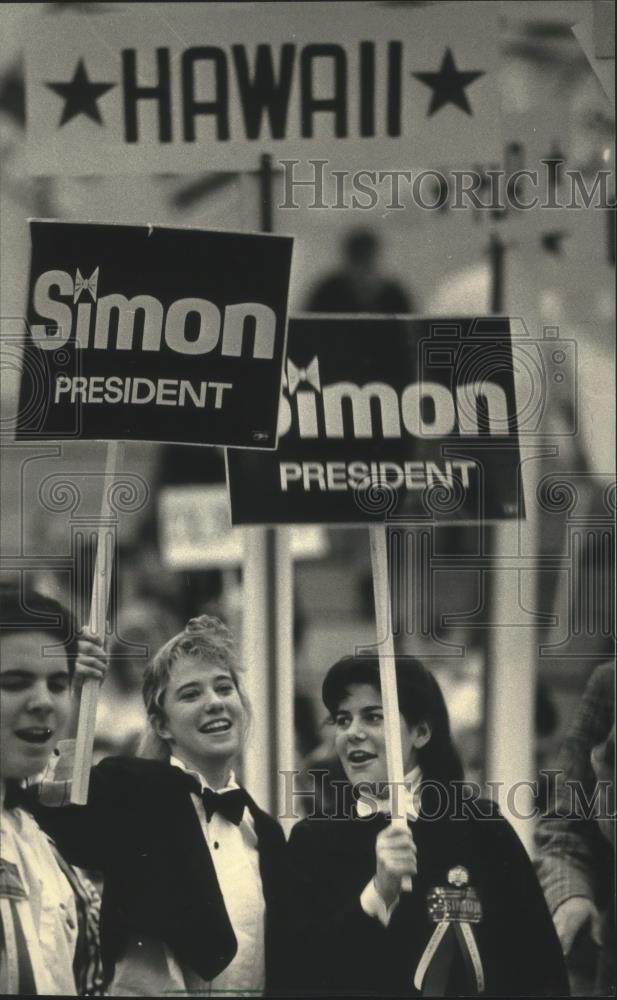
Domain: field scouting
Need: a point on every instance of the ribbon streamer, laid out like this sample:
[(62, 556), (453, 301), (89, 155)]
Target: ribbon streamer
[(429, 953), (471, 954), (434, 966)]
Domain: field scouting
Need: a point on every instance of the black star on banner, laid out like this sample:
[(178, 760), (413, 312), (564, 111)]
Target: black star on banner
[(448, 85), (80, 96)]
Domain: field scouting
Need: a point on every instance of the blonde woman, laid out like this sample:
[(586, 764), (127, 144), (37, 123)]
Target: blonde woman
[(193, 870)]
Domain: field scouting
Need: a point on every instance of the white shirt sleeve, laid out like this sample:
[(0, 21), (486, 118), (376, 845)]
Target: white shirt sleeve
[(374, 906)]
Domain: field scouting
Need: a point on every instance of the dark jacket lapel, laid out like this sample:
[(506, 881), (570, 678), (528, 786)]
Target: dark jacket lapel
[(278, 895), (270, 844), (192, 910)]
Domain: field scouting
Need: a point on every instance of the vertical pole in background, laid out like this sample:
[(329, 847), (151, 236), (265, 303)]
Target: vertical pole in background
[(101, 585), (268, 625), (284, 661), (511, 656), (611, 224), (511, 687), (257, 643), (496, 254), (266, 198), (387, 675)]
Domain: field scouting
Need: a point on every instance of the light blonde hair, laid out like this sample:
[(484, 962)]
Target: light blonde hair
[(205, 638)]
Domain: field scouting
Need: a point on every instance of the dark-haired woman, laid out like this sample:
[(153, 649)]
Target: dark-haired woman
[(369, 938)]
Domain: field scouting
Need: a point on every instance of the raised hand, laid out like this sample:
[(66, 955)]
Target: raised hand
[(92, 661), (572, 916), (396, 857)]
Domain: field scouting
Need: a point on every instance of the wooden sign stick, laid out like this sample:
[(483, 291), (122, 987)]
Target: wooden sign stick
[(101, 585), (387, 675)]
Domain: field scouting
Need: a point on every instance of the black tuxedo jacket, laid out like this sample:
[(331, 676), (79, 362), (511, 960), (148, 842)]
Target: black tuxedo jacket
[(338, 949), (141, 831)]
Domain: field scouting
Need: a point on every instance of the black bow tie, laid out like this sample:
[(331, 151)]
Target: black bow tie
[(229, 804)]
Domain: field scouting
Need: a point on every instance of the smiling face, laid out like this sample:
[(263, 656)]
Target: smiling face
[(204, 717), (360, 739), (34, 702)]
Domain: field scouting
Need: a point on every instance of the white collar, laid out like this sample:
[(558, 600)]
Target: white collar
[(231, 781), (410, 800)]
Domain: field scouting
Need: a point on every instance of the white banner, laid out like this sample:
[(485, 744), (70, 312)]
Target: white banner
[(193, 87)]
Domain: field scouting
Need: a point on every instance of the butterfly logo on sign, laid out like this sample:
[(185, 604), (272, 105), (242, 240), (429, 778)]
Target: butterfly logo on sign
[(299, 376), (86, 284), (304, 402)]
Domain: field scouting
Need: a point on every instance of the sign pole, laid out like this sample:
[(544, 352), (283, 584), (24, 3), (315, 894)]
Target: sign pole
[(284, 660), (101, 586), (280, 579), (512, 641), (496, 254), (268, 622), (266, 197), (387, 673)]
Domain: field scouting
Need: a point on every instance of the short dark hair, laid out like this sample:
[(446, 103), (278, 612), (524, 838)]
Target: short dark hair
[(29, 611), (420, 700)]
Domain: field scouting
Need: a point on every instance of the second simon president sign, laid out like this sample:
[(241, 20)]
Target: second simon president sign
[(388, 418)]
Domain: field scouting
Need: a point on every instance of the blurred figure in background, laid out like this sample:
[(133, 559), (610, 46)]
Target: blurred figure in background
[(121, 715), (547, 741), (576, 838), (603, 764), (359, 286)]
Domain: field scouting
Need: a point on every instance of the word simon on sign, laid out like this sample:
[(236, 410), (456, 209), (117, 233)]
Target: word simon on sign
[(388, 418), (147, 333)]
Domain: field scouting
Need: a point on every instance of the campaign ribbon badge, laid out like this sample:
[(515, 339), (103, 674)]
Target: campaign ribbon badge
[(453, 908)]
